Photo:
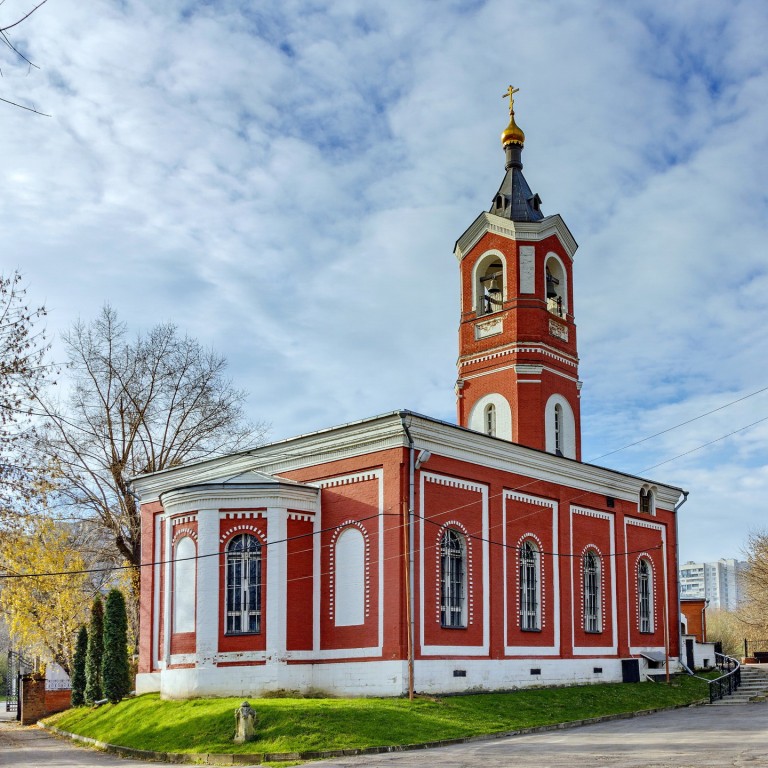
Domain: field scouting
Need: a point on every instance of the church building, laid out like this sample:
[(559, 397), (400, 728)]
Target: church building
[(401, 552)]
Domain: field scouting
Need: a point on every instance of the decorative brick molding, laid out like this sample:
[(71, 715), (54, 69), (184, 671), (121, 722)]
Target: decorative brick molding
[(346, 525), (455, 524)]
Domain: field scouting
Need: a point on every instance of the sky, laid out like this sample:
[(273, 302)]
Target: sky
[(286, 181)]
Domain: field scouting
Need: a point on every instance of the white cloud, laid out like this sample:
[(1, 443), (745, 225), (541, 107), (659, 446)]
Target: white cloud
[(286, 182)]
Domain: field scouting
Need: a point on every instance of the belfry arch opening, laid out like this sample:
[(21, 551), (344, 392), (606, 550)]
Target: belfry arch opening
[(556, 287), (489, 284)]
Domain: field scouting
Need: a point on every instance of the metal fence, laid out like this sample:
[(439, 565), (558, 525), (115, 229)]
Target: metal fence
[(728, 682), (757, 649)]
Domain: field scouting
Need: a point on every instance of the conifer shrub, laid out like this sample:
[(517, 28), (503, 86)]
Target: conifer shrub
[(93, 657), (78, 668), (115, 672)]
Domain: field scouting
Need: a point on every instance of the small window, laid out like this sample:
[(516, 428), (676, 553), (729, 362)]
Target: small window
[(591, 586), (243, 567), (646, 501), (645, 595), (529, 587), (490, 419), (558, 429), (452, 579)]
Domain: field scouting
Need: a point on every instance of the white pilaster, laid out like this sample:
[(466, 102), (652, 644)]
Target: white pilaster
[(207, 613), (277, 583), (167, 593)]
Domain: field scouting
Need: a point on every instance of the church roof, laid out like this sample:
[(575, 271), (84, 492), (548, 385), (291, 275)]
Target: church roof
[(514, 200)]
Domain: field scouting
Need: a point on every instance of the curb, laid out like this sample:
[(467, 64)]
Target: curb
[(257, 758)]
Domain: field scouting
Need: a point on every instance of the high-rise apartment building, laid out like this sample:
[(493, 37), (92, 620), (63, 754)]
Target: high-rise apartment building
[(719, 582)]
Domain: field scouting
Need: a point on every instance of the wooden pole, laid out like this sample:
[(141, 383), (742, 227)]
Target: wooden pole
[(408, 617)]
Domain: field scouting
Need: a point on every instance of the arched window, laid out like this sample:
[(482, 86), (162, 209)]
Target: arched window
[(184, 586), (646, 501), (555, 286), (349, 568), (489, 284), (645, 595), (560, 427), (490, 419), (243, 564), (530, 579), (591, 587), (452, 579), (492, 415)]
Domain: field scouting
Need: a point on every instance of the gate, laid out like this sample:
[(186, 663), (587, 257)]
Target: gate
[(18, 665)]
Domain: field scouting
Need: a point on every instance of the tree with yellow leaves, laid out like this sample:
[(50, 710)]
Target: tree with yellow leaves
[(44, 612)]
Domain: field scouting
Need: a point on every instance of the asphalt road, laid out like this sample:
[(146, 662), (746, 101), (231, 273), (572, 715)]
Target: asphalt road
[(697, 737)]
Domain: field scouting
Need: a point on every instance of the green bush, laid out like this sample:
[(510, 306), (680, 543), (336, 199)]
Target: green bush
[(93, 690), (115, 673), (78, 668)]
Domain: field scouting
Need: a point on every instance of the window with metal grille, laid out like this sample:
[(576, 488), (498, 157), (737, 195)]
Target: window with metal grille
[(529, 586), (644, 596), (452, 577), (592, 618), (243, 561)]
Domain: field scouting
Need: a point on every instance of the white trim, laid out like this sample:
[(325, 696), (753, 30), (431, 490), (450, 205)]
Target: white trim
[(183, 658), (517, 231), (539, 650), (484, 260), (516, 368), (663, 530), (155, 651), (386, 432), (530, 347), (451, 650), (317, 652), (611, 518), (168, 557)]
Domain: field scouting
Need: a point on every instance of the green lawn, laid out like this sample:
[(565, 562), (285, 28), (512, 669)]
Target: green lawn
[(297, 724)]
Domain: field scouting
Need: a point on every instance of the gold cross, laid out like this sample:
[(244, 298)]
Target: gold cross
[(511, 91)]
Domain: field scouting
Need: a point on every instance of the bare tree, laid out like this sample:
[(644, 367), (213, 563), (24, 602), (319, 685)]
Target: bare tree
[(22, 375), (5, 39), (754, 611), (136, 406)]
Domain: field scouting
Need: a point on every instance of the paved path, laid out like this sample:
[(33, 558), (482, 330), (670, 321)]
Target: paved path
[(696, 737), (31, 747), (700, 737)]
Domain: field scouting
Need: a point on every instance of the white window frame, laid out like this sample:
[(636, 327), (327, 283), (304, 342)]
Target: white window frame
[(592, 592), (529, 595), (453, 580), (244, 599)]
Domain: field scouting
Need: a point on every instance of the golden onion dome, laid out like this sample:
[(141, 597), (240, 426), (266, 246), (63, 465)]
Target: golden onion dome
[(513, 133)]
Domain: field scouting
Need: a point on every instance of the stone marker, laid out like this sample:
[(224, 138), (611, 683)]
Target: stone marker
[(245, 721)]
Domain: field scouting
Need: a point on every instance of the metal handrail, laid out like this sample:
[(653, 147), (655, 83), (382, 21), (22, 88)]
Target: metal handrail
[(727, 683)]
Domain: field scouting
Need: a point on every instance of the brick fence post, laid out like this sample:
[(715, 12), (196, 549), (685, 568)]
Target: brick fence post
[(32, 698)]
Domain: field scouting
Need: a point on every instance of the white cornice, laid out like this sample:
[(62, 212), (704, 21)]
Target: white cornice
[(342, 442), (519, 349), (386, 432), (515, 230), (193, 498)]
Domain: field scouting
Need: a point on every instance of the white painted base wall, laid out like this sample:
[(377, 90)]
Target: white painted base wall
[(379, 678)]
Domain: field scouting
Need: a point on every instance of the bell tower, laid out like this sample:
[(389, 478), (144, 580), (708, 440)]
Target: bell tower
[(518, 365)]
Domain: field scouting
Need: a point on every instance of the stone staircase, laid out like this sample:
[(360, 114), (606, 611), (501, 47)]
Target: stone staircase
[(753, 688)]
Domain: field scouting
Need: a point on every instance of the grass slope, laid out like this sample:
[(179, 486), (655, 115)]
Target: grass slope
[(295, 724)]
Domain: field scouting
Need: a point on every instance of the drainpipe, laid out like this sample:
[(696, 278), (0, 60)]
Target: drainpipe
[(677, 579)]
